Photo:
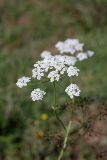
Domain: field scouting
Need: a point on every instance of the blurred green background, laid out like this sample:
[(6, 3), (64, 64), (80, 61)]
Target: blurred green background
[(27, 27)]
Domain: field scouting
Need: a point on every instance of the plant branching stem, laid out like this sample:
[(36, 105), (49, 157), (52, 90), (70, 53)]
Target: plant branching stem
[(55, 110), (65, 141), (60, 121)]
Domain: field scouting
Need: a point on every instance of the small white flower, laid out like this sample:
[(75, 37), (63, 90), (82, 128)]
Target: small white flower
[(81, 56), (45, 54), (70, 60), (79, 46), (59, 45), (90, 53), (72, 90), (23, 81), (53, 76), (37, 73), (37, 94), (72, 71)]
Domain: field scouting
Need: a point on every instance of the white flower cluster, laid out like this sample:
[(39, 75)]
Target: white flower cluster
[(84, 55), (53, 76), (23, 81), (73, 46), (73, 90), (37, 94), (53, 67), (72, 71), (69, 46)]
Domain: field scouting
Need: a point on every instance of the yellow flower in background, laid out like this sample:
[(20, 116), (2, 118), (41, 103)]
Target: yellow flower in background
[(44, 117), (40, 134)]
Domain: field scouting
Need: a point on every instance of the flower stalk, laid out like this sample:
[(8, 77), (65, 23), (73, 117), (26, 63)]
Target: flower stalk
[(65, 141), (55, 109)]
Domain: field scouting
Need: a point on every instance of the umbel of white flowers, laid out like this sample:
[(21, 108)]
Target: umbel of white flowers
[(54, 67)]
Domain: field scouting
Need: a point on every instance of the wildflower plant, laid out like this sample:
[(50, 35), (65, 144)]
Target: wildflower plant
[(53, 68)]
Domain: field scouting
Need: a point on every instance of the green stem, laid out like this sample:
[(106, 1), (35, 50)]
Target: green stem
[(55, 109), (60, 121), (65, 141), (55, 96)]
